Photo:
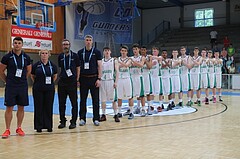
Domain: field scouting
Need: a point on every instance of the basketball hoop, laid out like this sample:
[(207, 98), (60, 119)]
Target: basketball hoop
[(43, 27)]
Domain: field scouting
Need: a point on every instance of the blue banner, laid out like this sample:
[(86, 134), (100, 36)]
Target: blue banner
[(105, 20)]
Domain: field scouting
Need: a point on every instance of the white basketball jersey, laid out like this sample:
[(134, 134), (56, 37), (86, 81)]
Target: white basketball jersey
[(174, 71), (165, 71), (155, 68), (218, 67), (123, 71), (145, 70), (211, 66), (195, 69), (108, 69), (204, 66), (135, 70), (184, 69)]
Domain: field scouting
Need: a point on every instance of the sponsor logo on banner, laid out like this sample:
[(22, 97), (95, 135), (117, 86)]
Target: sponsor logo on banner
[(33, 38), (39, 44), (101, 19)]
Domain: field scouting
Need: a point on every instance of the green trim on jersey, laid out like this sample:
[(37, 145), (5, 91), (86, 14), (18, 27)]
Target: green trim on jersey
[(170, 92), (115, 96), (189, 82), (132, 85), (142, 87), (161, 90), (150, 81), (199, 81)]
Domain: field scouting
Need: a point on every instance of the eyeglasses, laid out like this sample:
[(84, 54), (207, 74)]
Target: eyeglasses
[(65, 44)]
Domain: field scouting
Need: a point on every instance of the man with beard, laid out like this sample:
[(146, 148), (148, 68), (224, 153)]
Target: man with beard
[(69, 64)]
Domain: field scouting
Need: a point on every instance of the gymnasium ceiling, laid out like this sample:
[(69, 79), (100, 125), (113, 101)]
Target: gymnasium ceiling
[(151, 4)]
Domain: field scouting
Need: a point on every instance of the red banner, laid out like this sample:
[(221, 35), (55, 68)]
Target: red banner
[(30, 33)]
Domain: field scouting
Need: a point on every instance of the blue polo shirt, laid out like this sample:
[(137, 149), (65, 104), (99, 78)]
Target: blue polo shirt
[(40, 77), (84, 57), (65, 63), (13, 63)]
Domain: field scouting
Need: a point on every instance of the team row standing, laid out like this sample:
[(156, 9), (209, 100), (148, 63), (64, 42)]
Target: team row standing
[(153, 75)]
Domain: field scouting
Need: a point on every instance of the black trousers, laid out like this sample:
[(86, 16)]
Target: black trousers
[(43, 109), (63, 92), (86, 84)]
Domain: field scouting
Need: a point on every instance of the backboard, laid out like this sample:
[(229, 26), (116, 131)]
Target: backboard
[(31, 13)]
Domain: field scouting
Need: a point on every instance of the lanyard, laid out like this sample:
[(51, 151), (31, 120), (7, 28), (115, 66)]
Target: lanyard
[(15, 61), (68, 60), (89, 55), (44, 68)]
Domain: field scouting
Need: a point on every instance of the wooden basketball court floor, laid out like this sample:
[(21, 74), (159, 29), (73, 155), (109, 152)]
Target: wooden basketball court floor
[(212, 132)]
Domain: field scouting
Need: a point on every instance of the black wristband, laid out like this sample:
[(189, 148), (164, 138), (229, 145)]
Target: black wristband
[(99, 79)]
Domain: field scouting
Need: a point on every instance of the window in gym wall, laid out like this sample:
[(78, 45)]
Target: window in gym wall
[(204, 17)]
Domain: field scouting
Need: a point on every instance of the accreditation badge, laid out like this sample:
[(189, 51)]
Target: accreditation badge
[(18, 73), (48, 80), (86, 65), (69, 72)]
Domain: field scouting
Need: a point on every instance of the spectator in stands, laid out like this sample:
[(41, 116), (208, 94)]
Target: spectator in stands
[(213, 35), (224, 54), (226, 42), (232, 69), (231, 51)]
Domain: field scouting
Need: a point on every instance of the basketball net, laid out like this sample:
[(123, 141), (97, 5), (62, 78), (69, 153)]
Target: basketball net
[(43, 28)]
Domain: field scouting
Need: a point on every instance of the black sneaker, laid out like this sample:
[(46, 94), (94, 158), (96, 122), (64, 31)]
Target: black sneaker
[(173, 104), (119, 115), (180, 104), (220, 99), (72, 126), (103, 118), (39, 130), (131, 116), (61, 125), (116, 118), (49, 130), (162, 106), (169, 107), (126, 113), (206, 100)]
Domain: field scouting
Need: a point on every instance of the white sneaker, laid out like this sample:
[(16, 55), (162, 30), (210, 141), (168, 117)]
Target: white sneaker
[(82, 122)]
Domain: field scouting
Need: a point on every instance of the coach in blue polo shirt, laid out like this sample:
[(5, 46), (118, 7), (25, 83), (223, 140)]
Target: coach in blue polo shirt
[(18, 66), (68, 61), (90, 79)]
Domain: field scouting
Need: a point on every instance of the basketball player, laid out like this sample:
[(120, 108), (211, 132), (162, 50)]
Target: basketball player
[(195, 75), (175, 77), (204, 75), (124, 87), (218, 73), (186, 65), (146, 76), (136, 76), (166, 81), (211, 73), (83, 22), (155, 78), (109, 83)]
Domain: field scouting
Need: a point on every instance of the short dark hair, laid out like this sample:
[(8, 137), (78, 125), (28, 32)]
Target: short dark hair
[(66, 40), (144, 47), (124, 47), (154, 47), (18, 38), (106, 48), (135, 45)]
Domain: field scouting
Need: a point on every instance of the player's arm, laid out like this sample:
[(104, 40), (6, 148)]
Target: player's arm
[(198, 62), (2, 72), (149, 62), (116, 67), (99, 62), (187, 64), (140, 63)]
